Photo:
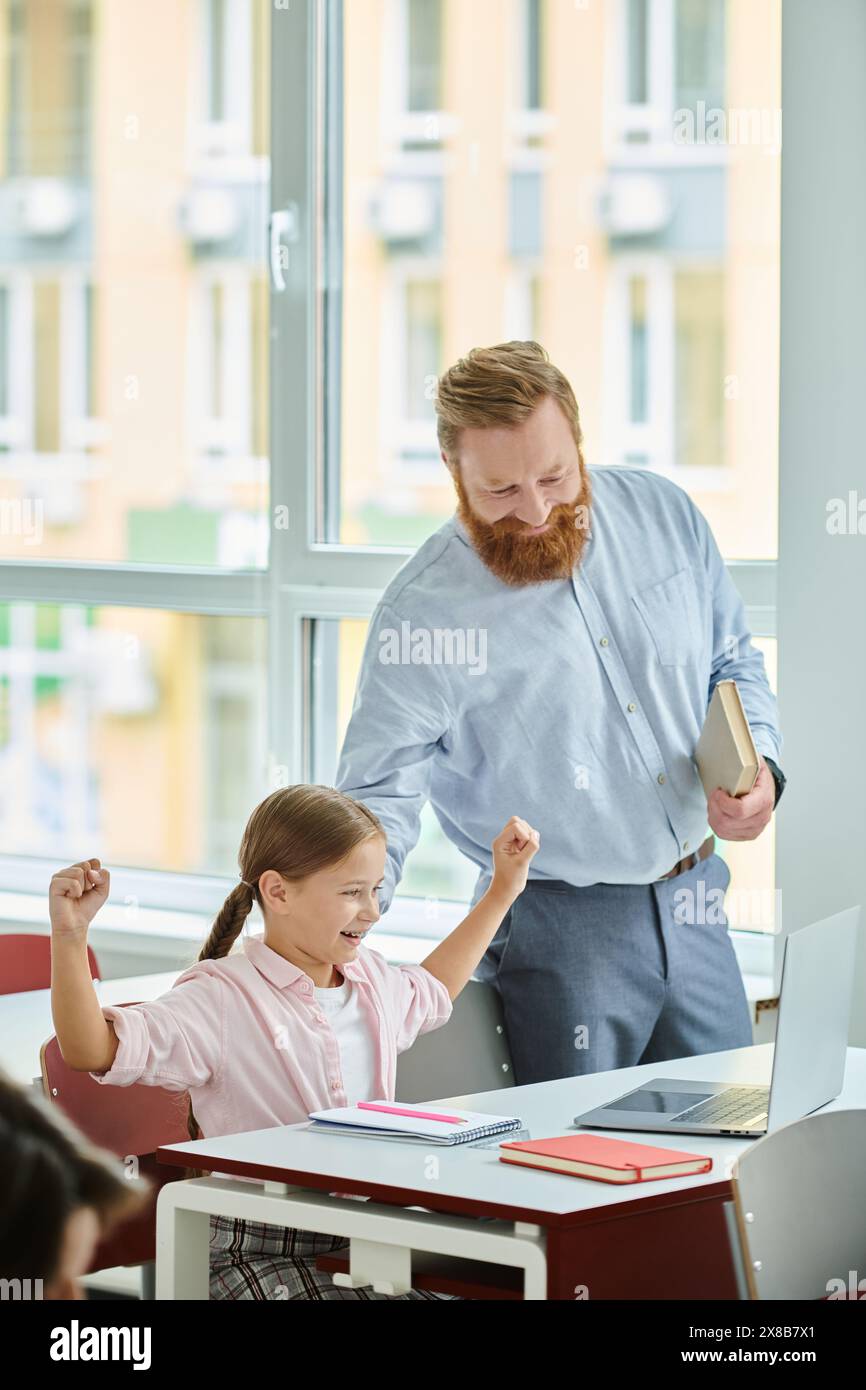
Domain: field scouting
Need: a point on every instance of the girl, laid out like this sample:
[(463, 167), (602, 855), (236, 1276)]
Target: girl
[(58, 1196), (307, 1018)]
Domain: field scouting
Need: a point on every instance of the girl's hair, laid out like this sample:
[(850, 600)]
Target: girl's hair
[(297, 831), (48, 1170), (500, 386)]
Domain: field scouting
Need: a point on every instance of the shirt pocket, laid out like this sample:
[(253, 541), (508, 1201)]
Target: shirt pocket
[(670, 610)]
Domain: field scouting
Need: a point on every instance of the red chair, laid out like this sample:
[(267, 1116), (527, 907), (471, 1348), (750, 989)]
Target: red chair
[(25, 962), (127, 1121)]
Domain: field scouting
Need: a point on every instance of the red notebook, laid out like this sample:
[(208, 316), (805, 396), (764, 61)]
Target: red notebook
[(602, 1159)]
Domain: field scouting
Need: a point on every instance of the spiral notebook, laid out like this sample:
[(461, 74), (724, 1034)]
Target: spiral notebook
[(469, 1125)]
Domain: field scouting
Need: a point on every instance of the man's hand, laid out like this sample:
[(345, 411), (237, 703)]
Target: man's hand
[(743, 817)]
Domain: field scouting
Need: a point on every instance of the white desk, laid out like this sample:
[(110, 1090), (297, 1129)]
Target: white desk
[(26, 1023), (558, 1230)]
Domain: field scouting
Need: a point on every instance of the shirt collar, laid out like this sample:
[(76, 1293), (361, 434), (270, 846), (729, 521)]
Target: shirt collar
[(282, 972)]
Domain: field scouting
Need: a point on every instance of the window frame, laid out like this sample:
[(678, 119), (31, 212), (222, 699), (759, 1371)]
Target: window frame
[(656, 437), (308, 577), (654, 117)]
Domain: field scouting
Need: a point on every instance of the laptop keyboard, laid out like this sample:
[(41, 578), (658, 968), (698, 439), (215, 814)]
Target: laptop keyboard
[(738, 1108)]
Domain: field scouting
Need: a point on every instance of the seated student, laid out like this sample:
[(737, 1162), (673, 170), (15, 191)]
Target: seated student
[(307, 1018), (59, 1195)]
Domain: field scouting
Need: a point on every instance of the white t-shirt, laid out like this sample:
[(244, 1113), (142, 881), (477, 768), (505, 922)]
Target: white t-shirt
[(357, 1053), (342, 1009)]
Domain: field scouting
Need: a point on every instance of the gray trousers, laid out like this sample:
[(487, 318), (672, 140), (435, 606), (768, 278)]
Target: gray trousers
[(614, 975)]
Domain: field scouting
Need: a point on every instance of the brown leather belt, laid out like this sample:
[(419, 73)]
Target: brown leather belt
[(702, 852)]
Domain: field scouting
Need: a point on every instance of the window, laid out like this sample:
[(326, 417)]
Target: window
[(227, 407), (230, 465), (133, 408), (531, 119), (424, 54), (410, 35), (533, 55), (660, 269), (693, 337), (637, 53), (78, 149), (134, 439), (131, 734), (699, 46), (435, 869), (674, 348), (639, 367), (524, 297), (669, 57), (227, 105), (699, 368), (16, 60), (48, 81)]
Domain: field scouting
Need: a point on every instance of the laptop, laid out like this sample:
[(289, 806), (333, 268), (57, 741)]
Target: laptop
[(808, 1058)]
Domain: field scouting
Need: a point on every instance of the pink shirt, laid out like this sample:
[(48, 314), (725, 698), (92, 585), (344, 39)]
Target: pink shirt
[(246, 1037)]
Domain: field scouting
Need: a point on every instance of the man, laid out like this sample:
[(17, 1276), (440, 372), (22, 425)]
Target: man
[(606, 617)]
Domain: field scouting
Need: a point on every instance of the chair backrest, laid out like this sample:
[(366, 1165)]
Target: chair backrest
[(468, 1053), (800, 1201), (25, 962), (130, 1121)]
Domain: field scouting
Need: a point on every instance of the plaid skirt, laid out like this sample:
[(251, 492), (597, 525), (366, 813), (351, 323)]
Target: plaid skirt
[(249, 1259)]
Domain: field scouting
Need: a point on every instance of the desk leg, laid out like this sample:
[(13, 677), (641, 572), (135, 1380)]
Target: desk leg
[(182, 1249)]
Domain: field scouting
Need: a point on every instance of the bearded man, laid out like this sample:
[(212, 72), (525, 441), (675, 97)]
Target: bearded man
[(606, 617)]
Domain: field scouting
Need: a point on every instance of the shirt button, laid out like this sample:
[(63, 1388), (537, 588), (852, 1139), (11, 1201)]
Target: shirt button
[(661, 777), (335, 1085), (685, 844), (632, 707), (603, 642)]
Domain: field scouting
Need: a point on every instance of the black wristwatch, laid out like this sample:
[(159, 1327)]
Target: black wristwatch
[(778, 777)]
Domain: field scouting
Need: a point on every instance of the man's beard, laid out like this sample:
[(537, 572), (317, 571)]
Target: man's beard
[(528, 559)]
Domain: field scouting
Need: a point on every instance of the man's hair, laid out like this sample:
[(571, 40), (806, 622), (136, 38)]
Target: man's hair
[(500, 386)]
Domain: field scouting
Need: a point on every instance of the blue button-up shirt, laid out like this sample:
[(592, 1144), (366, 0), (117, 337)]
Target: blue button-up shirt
[(575, 703)]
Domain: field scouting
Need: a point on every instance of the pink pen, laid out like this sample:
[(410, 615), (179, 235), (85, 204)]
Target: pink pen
[(415, 1114)]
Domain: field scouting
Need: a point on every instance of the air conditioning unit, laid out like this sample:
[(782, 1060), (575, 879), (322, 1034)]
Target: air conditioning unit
[(634, 205), (46, 207), (404, 209), (120, 667), (209, 214)]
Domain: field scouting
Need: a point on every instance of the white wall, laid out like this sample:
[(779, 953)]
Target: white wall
[(821, 846)]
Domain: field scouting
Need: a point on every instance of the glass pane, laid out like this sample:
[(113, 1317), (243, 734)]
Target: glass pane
[(638, 413), (637, 52), (700, 52), (435, 868), (131, 734), (700, 354), (534, 54), (134, 336), (651, 160), (424, 54)]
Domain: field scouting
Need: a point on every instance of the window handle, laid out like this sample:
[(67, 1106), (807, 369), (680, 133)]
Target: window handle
[(283, 225)]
